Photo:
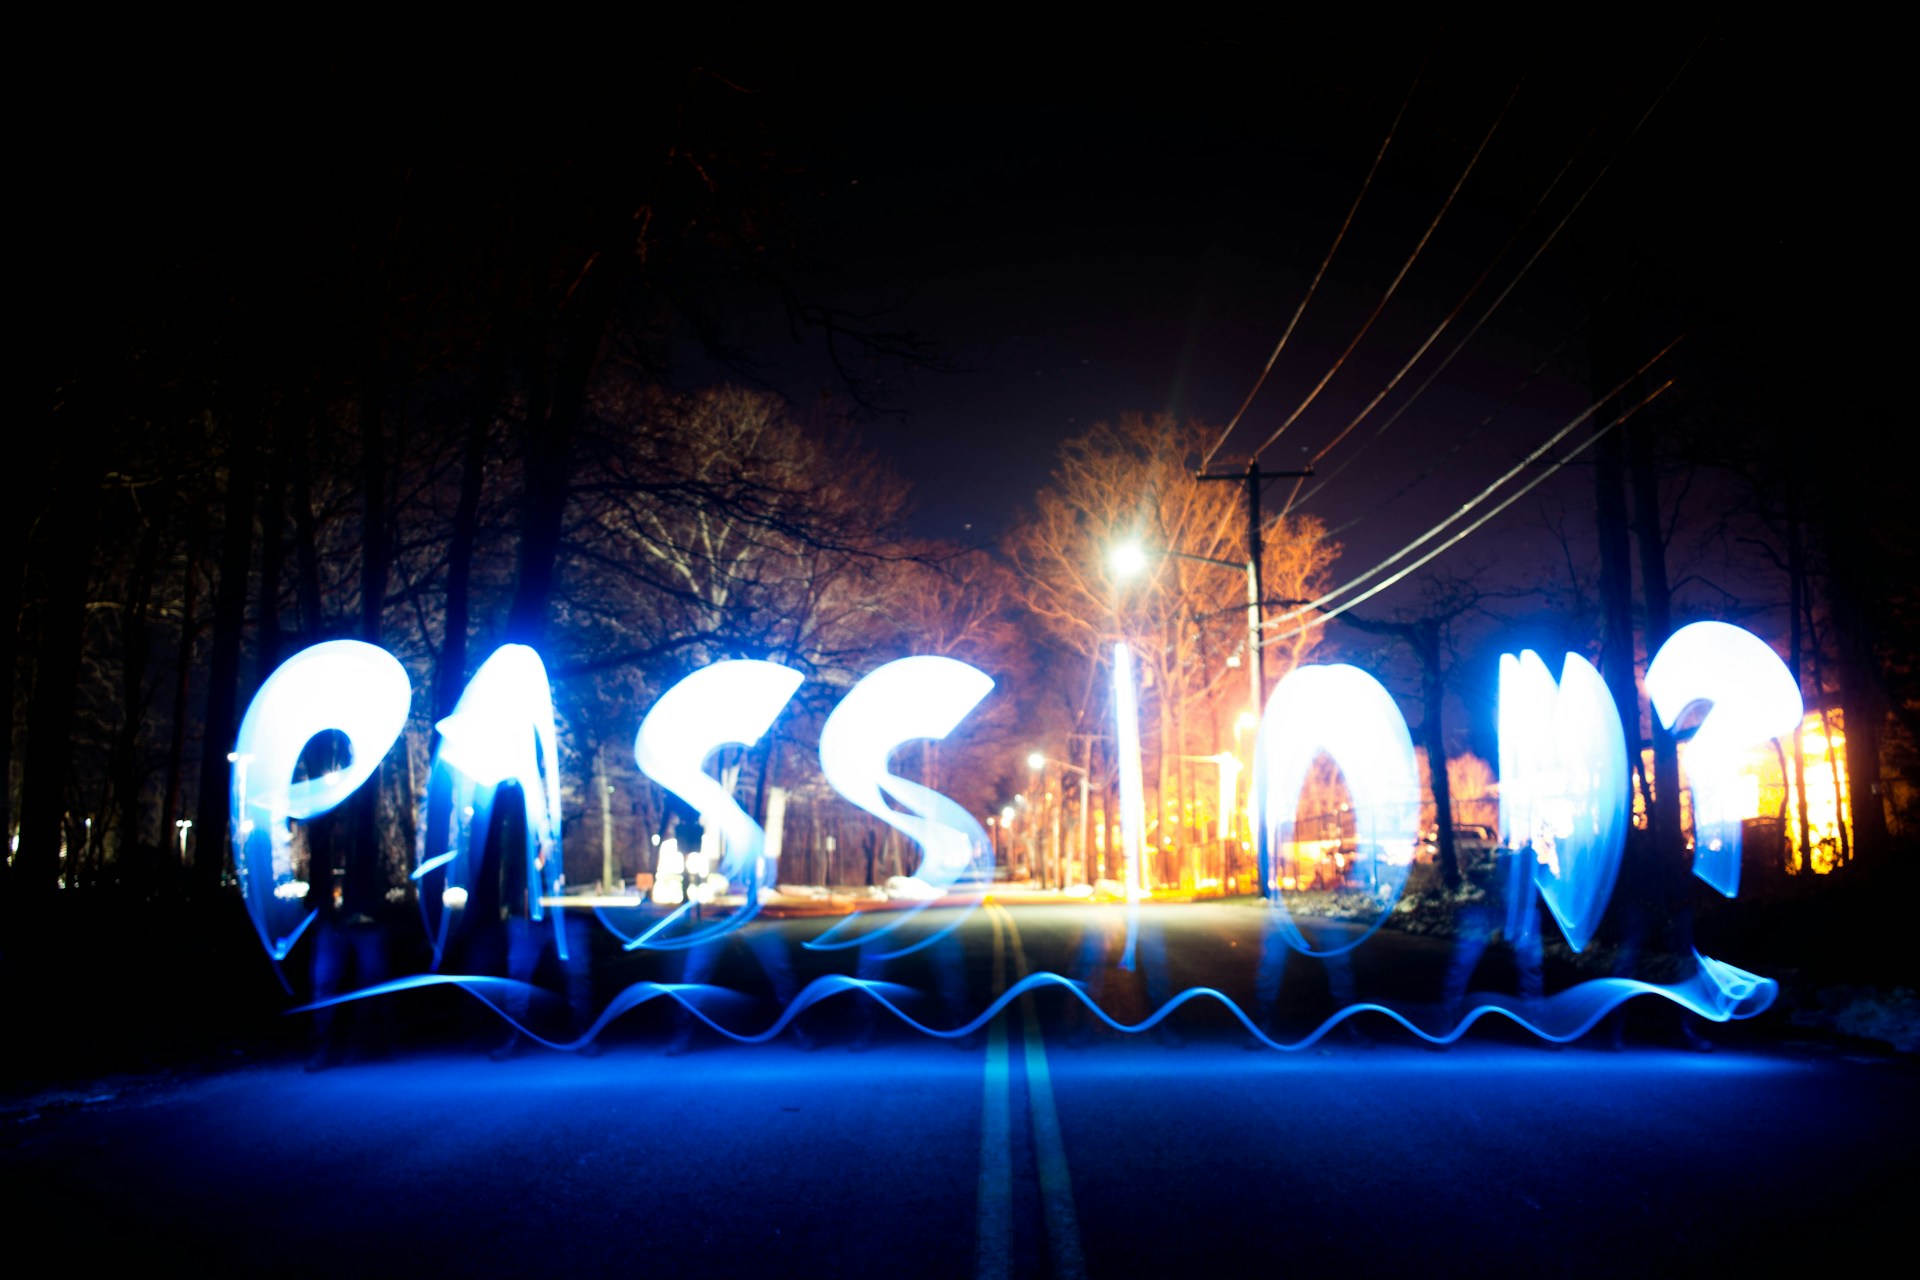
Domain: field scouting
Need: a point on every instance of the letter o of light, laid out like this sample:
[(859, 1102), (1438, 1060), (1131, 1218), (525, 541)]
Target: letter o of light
[(1346, 713), (1755, 700), (356, 689)]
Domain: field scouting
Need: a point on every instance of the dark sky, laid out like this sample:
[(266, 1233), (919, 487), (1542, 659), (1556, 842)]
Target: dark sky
[(1130, 230), (1087, 228)]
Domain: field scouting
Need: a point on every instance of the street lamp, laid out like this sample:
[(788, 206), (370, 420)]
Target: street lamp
[(1037, 762), (1130, 558)]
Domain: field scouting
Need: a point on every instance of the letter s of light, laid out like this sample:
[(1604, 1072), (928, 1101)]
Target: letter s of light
[(728, 702), (919, 697), (1755, 700), (357, 689), (1348, 714)]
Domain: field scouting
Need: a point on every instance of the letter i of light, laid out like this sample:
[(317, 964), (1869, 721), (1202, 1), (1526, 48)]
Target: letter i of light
[(356, 689), (501, 730), (729, 702), (1133, 793), (1563, 789), (1754, 700)]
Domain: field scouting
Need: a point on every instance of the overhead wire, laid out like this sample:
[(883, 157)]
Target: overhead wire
[(1441, 526), (1445, 320), (1441, 328), (1322, 618), (1325, 262), (1470, 435), (1494, 306), (1394, 286)]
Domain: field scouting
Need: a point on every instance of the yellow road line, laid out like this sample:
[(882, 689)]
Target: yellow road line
[(1050, 1151), (994, 1253)]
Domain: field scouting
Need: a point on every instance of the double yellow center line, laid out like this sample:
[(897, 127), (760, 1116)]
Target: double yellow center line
[(994, 1257)]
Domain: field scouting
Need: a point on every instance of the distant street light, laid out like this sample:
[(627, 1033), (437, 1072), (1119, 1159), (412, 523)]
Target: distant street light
[(1036, 761)]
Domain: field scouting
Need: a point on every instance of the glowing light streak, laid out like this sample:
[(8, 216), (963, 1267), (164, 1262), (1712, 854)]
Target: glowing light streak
[(1716, 991), (358, 690), (501, 730), (1229, 784), (1133, 803), (727, 703), (1563, 789), (900, 702), (1754, 700), (1346, 713)]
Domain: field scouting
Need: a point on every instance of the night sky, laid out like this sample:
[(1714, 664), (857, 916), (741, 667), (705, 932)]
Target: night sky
[(1074, 231), (1126, 231)]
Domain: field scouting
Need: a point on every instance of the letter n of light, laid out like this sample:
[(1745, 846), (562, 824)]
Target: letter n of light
[(1563, 788)]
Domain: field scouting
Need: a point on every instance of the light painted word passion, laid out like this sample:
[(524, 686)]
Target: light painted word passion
[(1562, 757)]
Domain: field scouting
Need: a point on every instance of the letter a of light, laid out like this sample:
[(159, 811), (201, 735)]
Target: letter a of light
[(356, 689), (1346, 713), (501, 730), (919, 697), (1755, 700), (1563, 788), (729, 702)]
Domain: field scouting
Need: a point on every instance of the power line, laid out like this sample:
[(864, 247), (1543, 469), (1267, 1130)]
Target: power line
[(1395, 285), (1318, 275), (1470, 435), (1441, 328), (1522, 492), (1485, 493), (1495, 305)]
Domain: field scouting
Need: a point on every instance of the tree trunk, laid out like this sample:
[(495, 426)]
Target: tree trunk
[(1796, 659), (137, 863), (450, 674), (61, 558), (1668, 836), (552, 420), (273, 558), (313, 618), (223, 664), (1433, 696), (170, 800)]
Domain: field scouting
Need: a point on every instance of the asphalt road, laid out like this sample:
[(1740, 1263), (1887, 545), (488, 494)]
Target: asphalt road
[(1016, 1155)]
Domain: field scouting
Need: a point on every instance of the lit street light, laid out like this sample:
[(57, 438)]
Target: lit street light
[(1128, 560)]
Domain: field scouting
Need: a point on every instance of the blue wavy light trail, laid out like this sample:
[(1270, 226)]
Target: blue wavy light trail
[(1717, 991)]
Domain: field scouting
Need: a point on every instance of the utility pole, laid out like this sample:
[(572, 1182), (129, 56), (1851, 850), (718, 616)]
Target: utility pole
[(1253, 477)]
